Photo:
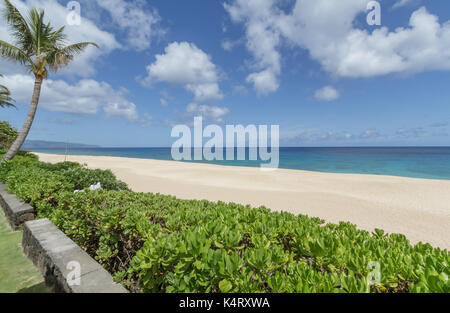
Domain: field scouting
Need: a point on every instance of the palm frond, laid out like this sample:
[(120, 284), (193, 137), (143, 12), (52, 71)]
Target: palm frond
[(39, 46), (62, 57), (20, 30), (14, 53), (5, 99), (78, 47), (35, 26), (57, 36)]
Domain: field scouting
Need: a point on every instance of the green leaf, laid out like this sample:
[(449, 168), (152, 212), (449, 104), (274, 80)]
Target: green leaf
[(225, 286)]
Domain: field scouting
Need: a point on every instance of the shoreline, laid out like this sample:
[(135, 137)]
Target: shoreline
[(418, 208), (372, 169)]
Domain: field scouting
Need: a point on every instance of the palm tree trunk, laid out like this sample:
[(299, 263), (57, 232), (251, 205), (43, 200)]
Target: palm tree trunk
[(17, 144)]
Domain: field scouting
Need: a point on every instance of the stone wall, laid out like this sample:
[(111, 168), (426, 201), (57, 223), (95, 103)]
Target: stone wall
[(65, 266), (17, 212)]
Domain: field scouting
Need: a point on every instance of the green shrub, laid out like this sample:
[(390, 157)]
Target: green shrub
[(72, 172), (156, 243), (83, 178), (19, 161), (21, 153), (27, 154), (58, 166), (7, 135), (36, 186)]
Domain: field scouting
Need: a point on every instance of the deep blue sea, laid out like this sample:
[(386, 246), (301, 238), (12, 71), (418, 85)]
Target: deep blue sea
[(418, 162)]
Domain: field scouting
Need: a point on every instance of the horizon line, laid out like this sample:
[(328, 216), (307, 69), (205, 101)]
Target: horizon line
[(281, 147)]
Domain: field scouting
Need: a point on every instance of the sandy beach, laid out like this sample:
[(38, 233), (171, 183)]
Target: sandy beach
[(417, 208)]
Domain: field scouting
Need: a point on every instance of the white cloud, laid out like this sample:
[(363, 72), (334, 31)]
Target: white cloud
[(229, 45), (264, 82), (327, 30), (262, 41), (85, 97), (327, 93), (336, 135), (304, 136), (424, 46), (138, 23), (62, 121), (164, 102), (212, 113), (402, 3), (83, 64), (370, 134), (205, 92), (121, 108), (185, 64), (414, 132)]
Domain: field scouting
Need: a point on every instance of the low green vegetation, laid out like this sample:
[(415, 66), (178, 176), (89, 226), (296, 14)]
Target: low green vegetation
[(7, 135), (156, 243)]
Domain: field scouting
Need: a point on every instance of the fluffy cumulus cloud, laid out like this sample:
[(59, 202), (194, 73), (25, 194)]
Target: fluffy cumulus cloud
[(263, 39), (184, 64), (327, 93), (327, 30), (138, 23), (265, 82), (209, 113), (212, 113), (85, 97)]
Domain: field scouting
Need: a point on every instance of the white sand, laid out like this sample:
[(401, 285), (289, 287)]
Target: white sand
[(417, 208)]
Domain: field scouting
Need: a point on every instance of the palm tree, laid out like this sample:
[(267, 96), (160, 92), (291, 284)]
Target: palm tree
[(39, 48), (5, 99)]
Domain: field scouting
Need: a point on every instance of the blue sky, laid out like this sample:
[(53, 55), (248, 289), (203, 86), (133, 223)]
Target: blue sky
[(316, 68)]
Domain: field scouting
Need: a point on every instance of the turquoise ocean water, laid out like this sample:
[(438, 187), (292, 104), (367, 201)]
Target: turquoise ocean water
[(417, 162)]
